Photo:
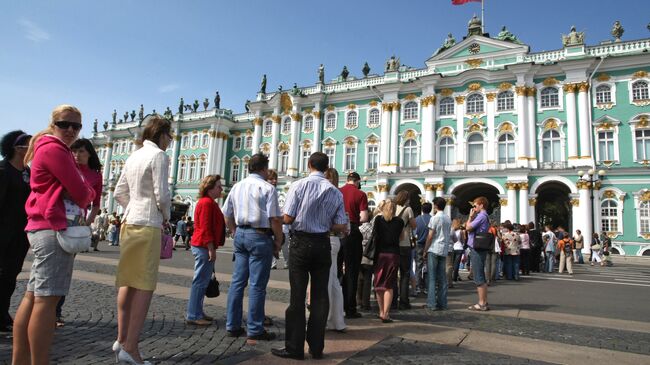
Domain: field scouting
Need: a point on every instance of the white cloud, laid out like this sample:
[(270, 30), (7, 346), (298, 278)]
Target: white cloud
[(168, 88), (33, 32)]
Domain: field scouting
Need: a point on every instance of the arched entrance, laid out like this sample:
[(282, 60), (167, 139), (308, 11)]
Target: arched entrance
[(414, 196), (466, 193), (553, 205)]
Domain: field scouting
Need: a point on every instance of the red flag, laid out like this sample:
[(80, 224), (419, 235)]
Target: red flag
[(461, 2)]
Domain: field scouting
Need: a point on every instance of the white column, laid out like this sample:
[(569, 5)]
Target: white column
[(524, 218), (585, 213), (460, 130), (111, 201), (384, 156), (107, 161), (176, 150), (491, 142), (212, 153), (316, 143), (572, 128), (532, 200), (382, 191), (218, 157), (428, 192), (427, 140), (532, 127), (292, 170), (596, 208), (522, 126), (440, 189), (222, 158), (509, 209), (394, 139), (257, 134), (583, 118), (275, 137)]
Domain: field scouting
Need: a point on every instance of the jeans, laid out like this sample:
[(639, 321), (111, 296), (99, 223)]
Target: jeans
[(477, 260), (419, 266), (352, 248), (310, 257), (458, 254), (550, 261), (253, 253), (511, 266), (203, 269), (437, 295), (404, 275), (578, 256)]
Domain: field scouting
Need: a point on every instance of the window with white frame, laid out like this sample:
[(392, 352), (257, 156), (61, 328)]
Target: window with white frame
[(644, 217), (373, 118), (549, 97), (475, 104), (606, 146), (234, 175), (185, 141), (122, 148), (350, 161), (192, 170), (410, 154), (330, 122), (609, 215), (249, 143), (640, 91), (411, 110), (372, 159), (115, 148), (308, 124), (351, 120), (447, 106), (603, 94), (283, 164), (330, 151), (286, 125), (268, 127), (551, 146), (475, 149), (642, 143), (372, 205), (237, 143), (182, 170), (202, 167), (447, 151), (204, 140), (505, 101), (195, 141), (244, 169), (304, 159), (506, 148)]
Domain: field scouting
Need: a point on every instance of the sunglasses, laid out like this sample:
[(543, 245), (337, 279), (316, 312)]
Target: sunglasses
[(64, 124)]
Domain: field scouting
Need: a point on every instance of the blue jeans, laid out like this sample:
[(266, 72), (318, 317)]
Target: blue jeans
[(477, 260), (253, 254), (437, 294), (203, 269), (579, 257), (550, 261), (511, 267)]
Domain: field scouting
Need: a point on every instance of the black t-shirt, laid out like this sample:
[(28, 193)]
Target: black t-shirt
[(387, 234), (14, 191)]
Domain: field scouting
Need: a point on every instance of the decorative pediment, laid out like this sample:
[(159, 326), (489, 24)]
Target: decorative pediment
[(372, 139), (606, 123), (477, 47), (641, 121), (329, 142)]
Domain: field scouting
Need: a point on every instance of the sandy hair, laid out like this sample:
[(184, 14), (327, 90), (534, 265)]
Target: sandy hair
[(29, 156), (388, 210)]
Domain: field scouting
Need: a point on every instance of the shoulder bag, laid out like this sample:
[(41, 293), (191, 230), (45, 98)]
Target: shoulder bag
[(371, 247), (75, 239), (483, 241), (166, 246), (412, 239)]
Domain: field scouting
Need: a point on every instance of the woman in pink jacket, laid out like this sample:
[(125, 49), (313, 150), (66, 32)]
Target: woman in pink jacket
[(58, 192)]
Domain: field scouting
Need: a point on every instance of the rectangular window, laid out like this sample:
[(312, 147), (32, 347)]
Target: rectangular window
[(329, 151), (235, 173), (642, 144), (304, 164), (350, 158), (373, 157), (606, 146)]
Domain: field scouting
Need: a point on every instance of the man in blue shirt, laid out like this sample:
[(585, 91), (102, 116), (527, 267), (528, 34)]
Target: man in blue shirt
[(313, 208), (435, 251), (421, 232)]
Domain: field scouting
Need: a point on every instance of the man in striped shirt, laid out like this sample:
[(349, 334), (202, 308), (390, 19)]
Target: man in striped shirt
[(313, 208), (253, 216)]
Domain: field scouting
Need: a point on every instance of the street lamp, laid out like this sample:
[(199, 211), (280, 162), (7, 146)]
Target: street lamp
[(592, 181)]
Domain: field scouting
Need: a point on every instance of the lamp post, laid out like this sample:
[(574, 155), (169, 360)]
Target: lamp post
[(591, 178)]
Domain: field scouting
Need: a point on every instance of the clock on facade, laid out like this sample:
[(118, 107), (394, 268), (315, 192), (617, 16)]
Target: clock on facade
[(474, 48)]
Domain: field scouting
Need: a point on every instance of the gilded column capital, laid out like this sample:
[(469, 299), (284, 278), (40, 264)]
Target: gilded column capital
[(460, 99), (224, 136), (531, 91), (383, 188), (177, 138), (396, 106), (387, 107), (532, 202), (575, 202), (582, 185), (276, 119), (503, 202), (512, 186), (428, 100), (523, 186), (598, 185), (257, 121), (213, 133), (520, 90), (583, 87), (491, 96), (428, 187), (439, 186), (316, 114), (296, 117), (109, 144), (569, 88), (450, 201)]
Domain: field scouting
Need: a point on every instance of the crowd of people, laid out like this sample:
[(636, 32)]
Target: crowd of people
[(338, 252)]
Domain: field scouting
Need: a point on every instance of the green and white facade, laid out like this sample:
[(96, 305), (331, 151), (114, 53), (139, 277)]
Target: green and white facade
[(483, 117)]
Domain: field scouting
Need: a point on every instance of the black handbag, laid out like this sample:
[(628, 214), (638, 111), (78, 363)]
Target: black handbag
[(483, 241), (213, 288), (371, 247)]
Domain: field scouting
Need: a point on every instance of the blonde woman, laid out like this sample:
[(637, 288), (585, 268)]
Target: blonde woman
[(58, 193), (387, 256), (143, 192)]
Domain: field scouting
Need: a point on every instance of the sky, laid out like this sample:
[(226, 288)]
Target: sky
[(102, 55)]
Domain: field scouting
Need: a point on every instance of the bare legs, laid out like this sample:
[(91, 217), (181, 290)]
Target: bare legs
[(482, 294), (132, 307), (384, 300), (34, 329)]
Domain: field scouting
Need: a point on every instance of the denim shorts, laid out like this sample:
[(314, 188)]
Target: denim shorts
[(52, 267), (477, 260)]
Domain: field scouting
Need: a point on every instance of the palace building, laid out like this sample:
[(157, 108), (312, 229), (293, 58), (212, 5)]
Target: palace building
[(559, 137)]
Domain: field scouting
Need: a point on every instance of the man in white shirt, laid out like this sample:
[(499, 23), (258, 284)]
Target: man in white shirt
[(435, 252)]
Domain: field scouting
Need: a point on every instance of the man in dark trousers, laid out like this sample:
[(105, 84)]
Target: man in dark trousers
[(313, 208), (535, 238), (356, 206)]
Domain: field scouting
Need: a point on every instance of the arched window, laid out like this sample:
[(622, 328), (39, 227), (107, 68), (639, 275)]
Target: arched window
[(642, 141), (475, 104), (237, 143), (551, 147), (204, 140), (304, 159), (330, 122), (185, 141), (447, 153), (373, 118), (192, 170), (372, 205), (234, 176), (609, 215), (410, 154), (372, 160), (182, 169), (603, 94), (244, 168), (195, 141), (505, 101), (350, 160), (640, 91), (351, 120), (506, 148), (644, 217), (308, 124), (284, 161), (447, 106), (549, 97), (475, 149), (268, 127), (411, 110), (286, 125), (249, 143), (202, 167)]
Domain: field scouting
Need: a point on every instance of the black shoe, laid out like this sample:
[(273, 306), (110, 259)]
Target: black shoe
[(6, 328), (264, 336), (316, 355), (283, 353), (236, 332), (267, 321), (353, 315), (404, 306), (365, 308)]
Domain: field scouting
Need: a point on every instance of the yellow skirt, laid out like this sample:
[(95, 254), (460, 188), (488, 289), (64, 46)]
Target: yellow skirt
[(139, 257)]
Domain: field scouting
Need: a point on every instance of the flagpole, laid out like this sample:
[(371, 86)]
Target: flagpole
[(482, 17)]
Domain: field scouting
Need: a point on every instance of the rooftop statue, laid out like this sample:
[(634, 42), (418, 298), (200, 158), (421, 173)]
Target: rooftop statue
[(321, 74), (345, 73), (392, 64), (168, 113), (132, 115), (365, 70), (188, 108), (263, 86), (195, 106), (247, 106), (105, 124), (217, 101), (114, 115), (280, 88), (141, 113), (126, 116), (617, 31), (450, 41), (181, 106), (295, 91), (506, 35), (573, 38), (95, 126), (206, 104), (474, 26)]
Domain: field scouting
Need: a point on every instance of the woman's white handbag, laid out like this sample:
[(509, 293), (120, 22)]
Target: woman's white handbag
[(75, 239)]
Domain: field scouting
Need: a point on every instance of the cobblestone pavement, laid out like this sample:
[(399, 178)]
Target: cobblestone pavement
[(395, 350)]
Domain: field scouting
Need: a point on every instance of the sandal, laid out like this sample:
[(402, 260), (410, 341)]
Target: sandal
[(478, 307), (60, 322)]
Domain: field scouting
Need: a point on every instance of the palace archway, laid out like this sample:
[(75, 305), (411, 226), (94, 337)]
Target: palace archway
[(553, 205), (414, 196), (466, 193)]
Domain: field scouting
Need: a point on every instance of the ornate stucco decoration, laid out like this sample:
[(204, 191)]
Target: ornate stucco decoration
[(532, 202), (460, 99), (520, 90), (350, 141), (511, 186), (569, 88), (285, 102), (236, 133), (604, 106), (306, 144), (609, 194), (645, 196), (352, 106), (446, 132), (428, 187), (605, 126), (603, 77), (531, 91), (446, 92), (475, 86), (276, 119), (387, 107), (283, 147), (439, 186), (396, 105), (373, 103), (505, 128), (409, 134), (642, 121), (257, 121), (474, 128), (640, 75), (583, 185), (370, 195), (316, 114), (523, 186), (410, 97), (491, 96), (249, 133), (503, 202), (265, 148), (330, 108), (583, 87), (383, 188), (329, 143), (372, 140), (428, 100), (505, 86), (296, 117), (575, 202), (474, 62), (550, 81), (550, 124)]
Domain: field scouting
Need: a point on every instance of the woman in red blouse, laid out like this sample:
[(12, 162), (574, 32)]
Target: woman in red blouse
[(209, 233)]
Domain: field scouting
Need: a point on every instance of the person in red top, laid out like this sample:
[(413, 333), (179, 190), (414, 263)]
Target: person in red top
[(356, 206), (209, 233)]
